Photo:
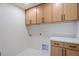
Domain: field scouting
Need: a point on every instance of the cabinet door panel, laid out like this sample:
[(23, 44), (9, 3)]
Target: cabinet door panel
[(70, 11), (27, 16), (39, 14), (57, 12), (78, 10), (72, 52), (33, 15), (47, 13), (56, 51)]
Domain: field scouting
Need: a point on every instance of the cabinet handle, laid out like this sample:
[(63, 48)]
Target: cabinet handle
[(30, 21), (72, 46), (63, 17), (56, 43), (42, 19)]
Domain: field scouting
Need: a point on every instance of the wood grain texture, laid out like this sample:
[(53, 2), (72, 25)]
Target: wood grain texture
[(57, 12), (64, 49), (39, 14), (33, 15), (56, 51), (70, 11), (57, 43), (47, 13), (71, 46), (71, 52), (27, 17)]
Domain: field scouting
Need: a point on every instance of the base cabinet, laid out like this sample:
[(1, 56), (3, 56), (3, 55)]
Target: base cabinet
[(69, 52), (64, 49), (56, 51)]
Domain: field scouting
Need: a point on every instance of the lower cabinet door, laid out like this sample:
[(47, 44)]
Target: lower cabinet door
[(69, 52), (56, 51)]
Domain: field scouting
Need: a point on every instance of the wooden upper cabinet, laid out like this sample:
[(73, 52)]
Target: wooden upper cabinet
[(27, 17), (70, 11), (78, 10), (33, 15), (47, 13), (57, 12), (39, 14)]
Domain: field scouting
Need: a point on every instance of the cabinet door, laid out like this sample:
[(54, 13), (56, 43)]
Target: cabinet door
[(77, 10), (57, 14), (71, 52), (39, 14), (33, 15), (27, 16), (47, 13), (70, 11), (56, 51)]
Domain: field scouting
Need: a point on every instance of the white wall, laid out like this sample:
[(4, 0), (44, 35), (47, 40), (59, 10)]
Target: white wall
[(13, 34), (77, 29), (66, 29)]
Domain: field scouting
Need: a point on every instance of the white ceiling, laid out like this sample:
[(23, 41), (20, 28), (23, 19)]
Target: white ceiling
[(25, 6)]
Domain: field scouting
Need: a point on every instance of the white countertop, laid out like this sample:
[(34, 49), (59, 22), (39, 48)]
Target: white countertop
[(64, 39)]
